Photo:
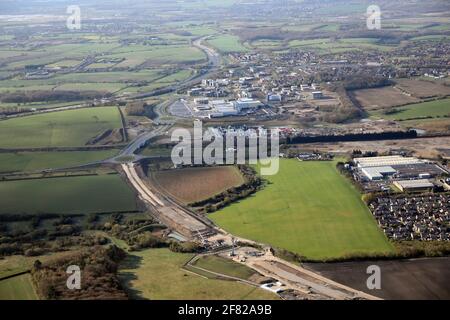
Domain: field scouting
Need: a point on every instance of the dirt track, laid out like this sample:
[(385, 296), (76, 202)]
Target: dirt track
[(409, 279)]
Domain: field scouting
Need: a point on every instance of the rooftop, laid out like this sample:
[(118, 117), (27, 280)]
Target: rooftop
[(410, 184)]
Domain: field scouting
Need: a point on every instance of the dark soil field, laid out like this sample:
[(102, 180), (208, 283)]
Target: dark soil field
[(417, 279), (195, 184)]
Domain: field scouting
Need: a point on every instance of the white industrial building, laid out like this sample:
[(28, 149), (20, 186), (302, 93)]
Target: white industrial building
[(246, 104), (222, 109), (386, 161), (378, 173), (421, 185)]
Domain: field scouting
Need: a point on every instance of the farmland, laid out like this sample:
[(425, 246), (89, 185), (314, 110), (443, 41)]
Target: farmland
[(58, 129), (431, 109), (327, 45), (33, 161), (379, 98), (196, 184), (224, 266), (71, 195), (227, 44), (423, 89), (38, 105), (89, 117), (17, 288), (400, 277), (157, 274), (19, 263), (307, 208), (158, 55)]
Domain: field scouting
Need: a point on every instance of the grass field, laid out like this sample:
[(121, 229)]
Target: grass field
[(17, 288), (12, 265), (89, 86), (327, 45), (266, 44), (435, 109), (33, 161), (104, 193), (307, 208), (224, 266), (196, 184), (66, 128), (227, 44), (158, 55), (38, 105), (156, 274)]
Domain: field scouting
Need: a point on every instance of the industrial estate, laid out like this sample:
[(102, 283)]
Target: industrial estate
[(90, 102)]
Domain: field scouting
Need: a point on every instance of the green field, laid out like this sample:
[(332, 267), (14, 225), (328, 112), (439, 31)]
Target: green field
[(157, 55), (266, 44), (437, 108), (89, 86), (224, 266), (33, 161), (38, 105), (156, 274), (71, 128), (68, 195), (17, 288), (227, 44), (307, 208), (327, 45)]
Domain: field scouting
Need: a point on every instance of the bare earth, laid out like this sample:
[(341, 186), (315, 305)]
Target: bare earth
[(406, 279), (196, 184), (379, 98), (423, 89), (425, 147)]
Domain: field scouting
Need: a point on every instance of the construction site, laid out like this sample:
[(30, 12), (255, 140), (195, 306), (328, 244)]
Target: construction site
[(288, 280)]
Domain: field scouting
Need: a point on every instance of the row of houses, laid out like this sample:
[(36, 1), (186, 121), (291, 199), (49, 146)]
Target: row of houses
[(423, 218)]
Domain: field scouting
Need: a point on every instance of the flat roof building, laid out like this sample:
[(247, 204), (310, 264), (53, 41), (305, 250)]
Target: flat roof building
[(421, 185), (386, 161), (317, 95), (378, 173), (247, 103)]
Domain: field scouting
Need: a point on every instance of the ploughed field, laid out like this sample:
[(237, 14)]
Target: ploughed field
[(72, 128), (307, 208), (195, 184), (66, 195), (400, 279)]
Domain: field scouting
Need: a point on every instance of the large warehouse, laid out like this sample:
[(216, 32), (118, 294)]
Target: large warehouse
[(422, 185), (396, 167), (385, 161)]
